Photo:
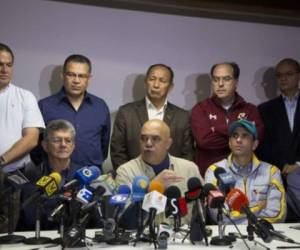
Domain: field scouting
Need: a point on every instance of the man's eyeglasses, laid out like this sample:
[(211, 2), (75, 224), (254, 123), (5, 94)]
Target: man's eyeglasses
[(285, 75), (73, 76), (60, 140)]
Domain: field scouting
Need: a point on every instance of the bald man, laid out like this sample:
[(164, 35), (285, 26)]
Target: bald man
[(155, 162)]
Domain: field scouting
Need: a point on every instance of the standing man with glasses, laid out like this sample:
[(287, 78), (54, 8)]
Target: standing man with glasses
[(89, 114), (281, 117), (211, 117), (20, 121)]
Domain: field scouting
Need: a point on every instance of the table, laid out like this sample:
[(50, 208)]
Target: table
[(177, 245)]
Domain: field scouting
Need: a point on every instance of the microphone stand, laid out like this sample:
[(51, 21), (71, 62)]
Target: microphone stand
[(61, 225), (37, 239), (250, 231), (221, 239), (140, 223), (11, 238)]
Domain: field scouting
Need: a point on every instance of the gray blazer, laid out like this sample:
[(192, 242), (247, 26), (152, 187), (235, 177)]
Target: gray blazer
[(125, 140)]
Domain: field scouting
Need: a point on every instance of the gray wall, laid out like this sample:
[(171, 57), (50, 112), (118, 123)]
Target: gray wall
[(123, 43)]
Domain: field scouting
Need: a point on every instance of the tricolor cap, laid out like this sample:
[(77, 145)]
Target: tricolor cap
[(246, 124)]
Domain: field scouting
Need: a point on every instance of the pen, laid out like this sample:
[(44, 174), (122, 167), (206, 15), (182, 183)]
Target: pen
[(287, 247)]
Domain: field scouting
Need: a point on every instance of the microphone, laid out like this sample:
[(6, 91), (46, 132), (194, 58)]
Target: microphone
[(216, 199), (154, 201), (225, 180), (238, 201), (119, 200), (195, 193), (172, 209), (140, 186), (17, 181), (47, 185), (107, 182), (83, 176)]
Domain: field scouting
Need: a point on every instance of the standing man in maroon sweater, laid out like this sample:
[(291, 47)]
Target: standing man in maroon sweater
[(211, 117)]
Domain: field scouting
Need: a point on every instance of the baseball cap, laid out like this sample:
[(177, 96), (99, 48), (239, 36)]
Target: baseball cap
[(246, 124)]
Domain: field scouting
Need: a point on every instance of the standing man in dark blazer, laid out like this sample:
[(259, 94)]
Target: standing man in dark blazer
[(281, 116), (130, 118)]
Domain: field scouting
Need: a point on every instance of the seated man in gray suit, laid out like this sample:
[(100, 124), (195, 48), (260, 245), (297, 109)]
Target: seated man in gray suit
[(130, 118)]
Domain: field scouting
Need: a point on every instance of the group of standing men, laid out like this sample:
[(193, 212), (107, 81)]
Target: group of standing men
[(204, 137)]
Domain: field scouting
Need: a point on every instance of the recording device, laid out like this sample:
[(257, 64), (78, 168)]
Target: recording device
[(83, 176), (238, 201), (164, 233), (225, 180), (46, 185), (75, 234)]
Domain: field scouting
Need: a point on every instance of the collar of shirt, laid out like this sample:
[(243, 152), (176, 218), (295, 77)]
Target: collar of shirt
[(62, 96), (242, 170), (290, 100), (5, 89), (153, 113), (161, 166)]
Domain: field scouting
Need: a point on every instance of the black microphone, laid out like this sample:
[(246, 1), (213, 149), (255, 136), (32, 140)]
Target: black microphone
[(194, 193), (17, 181), (225, 180), (173, 194)]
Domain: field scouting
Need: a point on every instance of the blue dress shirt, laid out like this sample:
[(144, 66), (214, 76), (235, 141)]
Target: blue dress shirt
[(91, 122)]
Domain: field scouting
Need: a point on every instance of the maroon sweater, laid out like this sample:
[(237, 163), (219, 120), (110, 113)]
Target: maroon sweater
[(210, 123)]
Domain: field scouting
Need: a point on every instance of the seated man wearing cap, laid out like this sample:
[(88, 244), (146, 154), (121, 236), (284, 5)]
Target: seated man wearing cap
[(259, 181)]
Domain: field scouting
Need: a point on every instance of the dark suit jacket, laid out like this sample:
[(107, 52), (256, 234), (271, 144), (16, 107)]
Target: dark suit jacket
[(280, 145), (125, 140)]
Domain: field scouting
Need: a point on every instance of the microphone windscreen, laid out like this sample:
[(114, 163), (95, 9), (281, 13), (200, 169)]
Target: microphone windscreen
[(219, 171), (139, 187), (156, 186), (172, 192), (207, 188), (124, 189), (236, 200), (194, 183), (57, 177), (183, 209)]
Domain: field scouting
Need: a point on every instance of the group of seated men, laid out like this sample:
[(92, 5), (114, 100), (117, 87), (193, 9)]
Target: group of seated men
[(153, 137)]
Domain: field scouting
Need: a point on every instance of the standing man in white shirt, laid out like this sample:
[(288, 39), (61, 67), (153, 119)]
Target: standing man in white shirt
[(20, 121)]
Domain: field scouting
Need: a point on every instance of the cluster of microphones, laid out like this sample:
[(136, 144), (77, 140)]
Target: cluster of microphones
[(152, 204)]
